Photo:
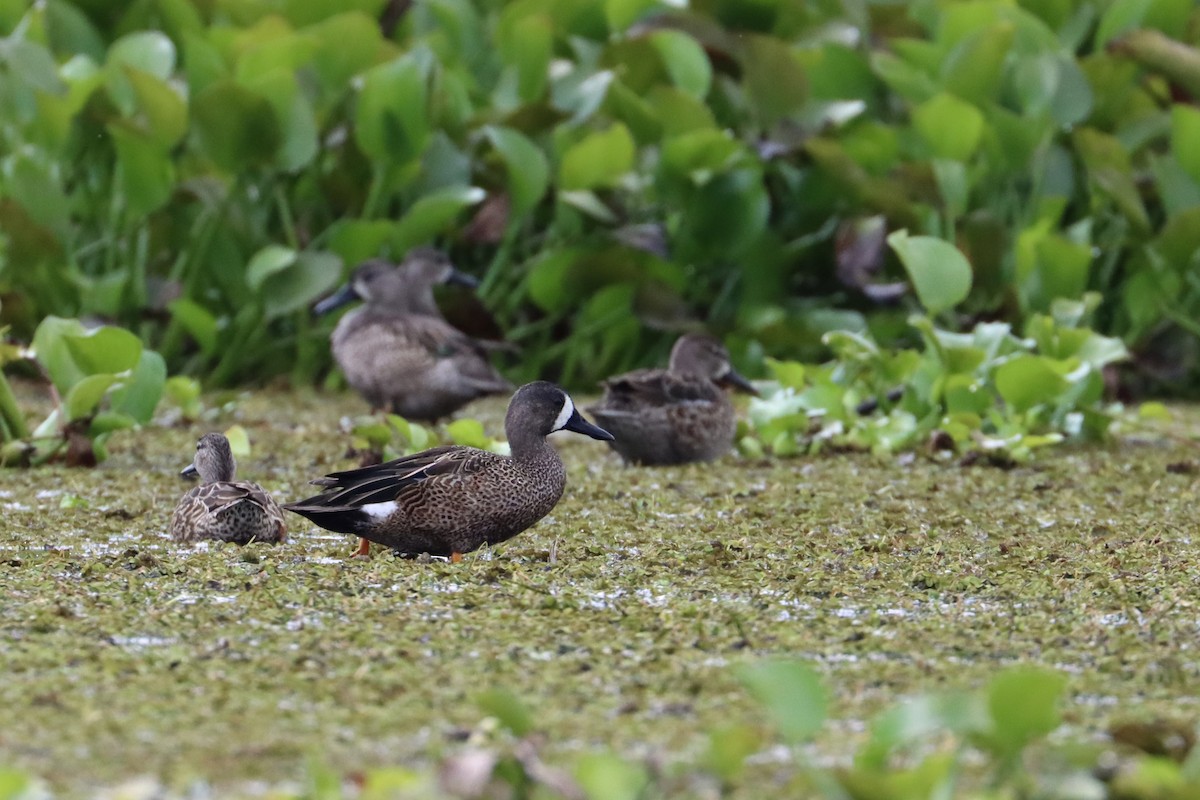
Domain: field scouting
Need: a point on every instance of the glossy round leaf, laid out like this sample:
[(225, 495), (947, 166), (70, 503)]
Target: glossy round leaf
[(139, 394), (950, 126), (1185, 138), (145, 173), (391, 120), (236, 127), (600, 159), (268, 261), (84, 397), (432, 214), (685, 61), (939, 272), (790, 693), (528, 171), (312, 275), (1026, 381)]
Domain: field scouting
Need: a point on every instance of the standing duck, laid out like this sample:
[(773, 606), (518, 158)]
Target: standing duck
[(678, 414), (397, 351), (451, 500), (221, 508)]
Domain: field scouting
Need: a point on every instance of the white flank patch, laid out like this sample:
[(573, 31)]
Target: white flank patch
[(565, 415), (379, 509)]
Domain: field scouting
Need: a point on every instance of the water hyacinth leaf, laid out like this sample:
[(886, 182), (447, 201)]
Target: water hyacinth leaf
[(505, 707), (939, 272), (1185, 138), (391, 120), (729, 747), (1023, 703), (139, 393), (105, 349), (773, 77), (32, 62), (604, 776), (266, 262), (356, 240), (727, 214), (791, 693), (197, 321), (620, 14), (685, 61), (1026, 381), (974, 68), (33, 180), (239, 441), (151, 52), (468, 432), (433, 213), (952, 127), (164, 111), (526, 166), (312, 274), (234, 126), (526, 44), (598, 160), (84, 397), (1119, 17), (333, 62), (145, 172)]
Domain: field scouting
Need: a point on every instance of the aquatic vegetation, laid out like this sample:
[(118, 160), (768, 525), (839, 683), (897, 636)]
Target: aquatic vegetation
[(103, 380), (621, 623)]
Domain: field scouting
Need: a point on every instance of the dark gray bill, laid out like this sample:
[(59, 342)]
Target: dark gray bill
[(580, 425)]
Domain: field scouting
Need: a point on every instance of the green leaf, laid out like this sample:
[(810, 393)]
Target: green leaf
[(84, 397), (164, 111), (974, 68), (528, 171), (32, 63), (505, 707), (950, 126), (604, 776), (1027, 381), (939, 272), (1120, 17), (790, 693), (433, 214), (620, 14), (239, 441), (235, 127), (139, 394), (773, 77), (197, 321), (685, 61), (150, 52), (106, 349), (1023, 702), (391, 120), (525, 42), (268, 261), (145, 173), (600, 159), (310, 276), (726, 215), (1185, 138)]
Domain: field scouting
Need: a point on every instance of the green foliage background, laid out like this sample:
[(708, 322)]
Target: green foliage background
[(199, 171)]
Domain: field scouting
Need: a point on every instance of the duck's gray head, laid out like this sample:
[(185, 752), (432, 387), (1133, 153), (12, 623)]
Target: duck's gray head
[(698, 354), (541, 408), (407, 288), (214, 460), (427, 266)]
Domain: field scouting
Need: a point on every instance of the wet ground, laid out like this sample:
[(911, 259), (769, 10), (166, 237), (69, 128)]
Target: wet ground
[(615, 619)]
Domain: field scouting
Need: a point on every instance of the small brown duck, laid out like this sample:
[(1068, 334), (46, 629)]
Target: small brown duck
[(397, 351), (451, 500), (221, 508), (674, 415)]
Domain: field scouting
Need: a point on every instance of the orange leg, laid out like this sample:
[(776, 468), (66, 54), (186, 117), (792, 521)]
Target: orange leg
[(455, 557), (364, 548)]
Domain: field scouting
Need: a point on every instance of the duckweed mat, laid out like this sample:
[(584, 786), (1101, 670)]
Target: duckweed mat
[(616, 620)]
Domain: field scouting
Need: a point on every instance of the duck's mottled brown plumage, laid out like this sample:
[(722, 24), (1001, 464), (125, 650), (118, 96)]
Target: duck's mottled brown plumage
[(398, 352), (674, 415), (222, 508), (454, 499)]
